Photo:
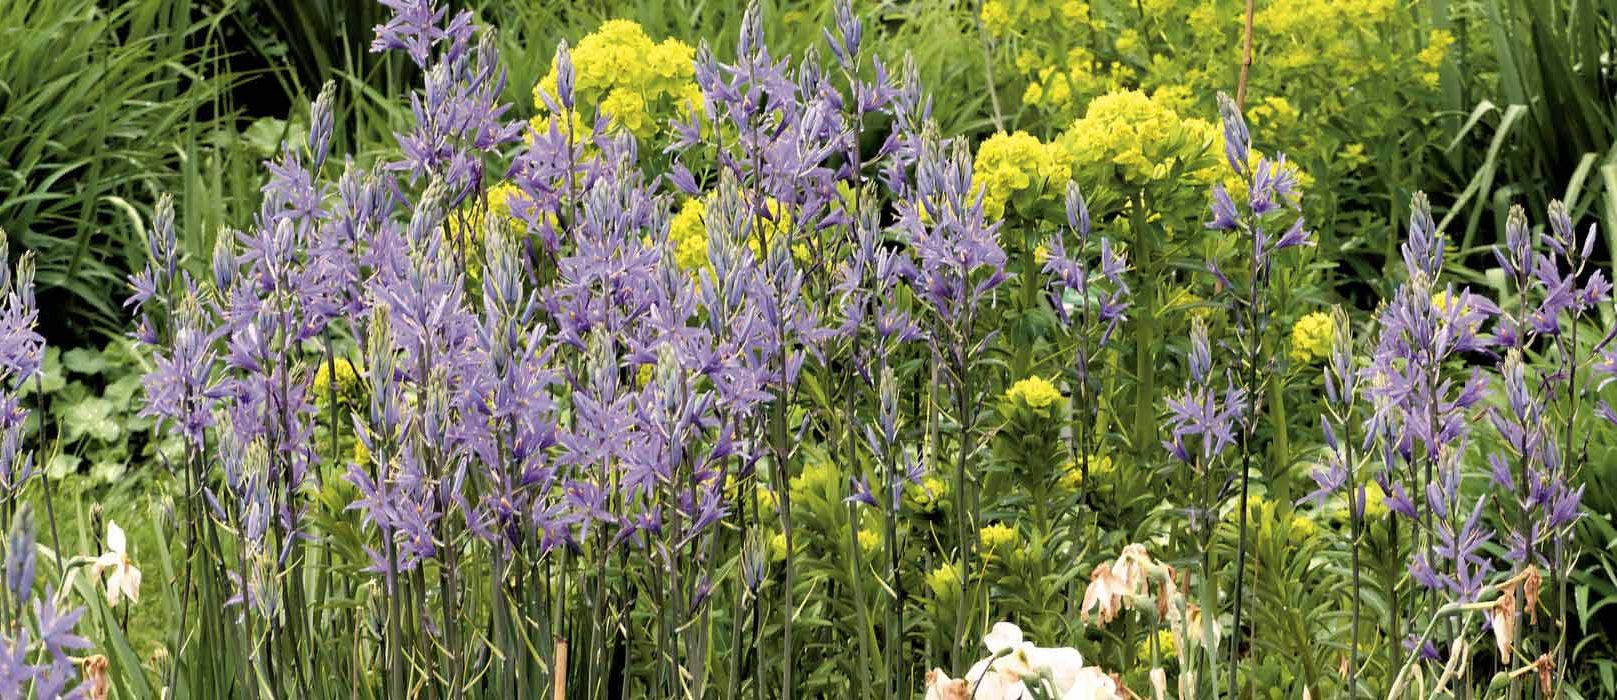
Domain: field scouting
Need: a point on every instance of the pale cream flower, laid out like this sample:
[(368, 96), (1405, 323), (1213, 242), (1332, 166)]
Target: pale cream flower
[(1002, 638), (1188, 628), (124, 581), (1105, 594), (1011, 668), (1503, 619), (1131, 568), (939, 686), (1064, 665), (1091, 683), (1159, 683)]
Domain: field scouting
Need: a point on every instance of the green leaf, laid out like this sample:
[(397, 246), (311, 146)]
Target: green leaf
[(91, 417), (62, 465), (122, 391), (108, 472), (264, 136), (86, 361)]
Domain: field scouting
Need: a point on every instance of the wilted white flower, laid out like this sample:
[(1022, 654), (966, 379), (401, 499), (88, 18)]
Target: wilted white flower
[(1104, 594)]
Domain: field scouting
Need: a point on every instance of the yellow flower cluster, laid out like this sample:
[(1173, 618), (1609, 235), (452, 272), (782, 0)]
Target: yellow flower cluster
[(1072, 473), (1166, 646), (1010, 164), (1036, 393), (1138, 139), (348, 389), (767, 500), (1002, 18), (869, 541), (930, 494), (996, 537), (1311, 337), (1302, 527), (944, 581), (468, 226), (1375, 504), (1265, 516), (1311, 51), (817, 476), (687, 232), (1431, 57), (635, 81)]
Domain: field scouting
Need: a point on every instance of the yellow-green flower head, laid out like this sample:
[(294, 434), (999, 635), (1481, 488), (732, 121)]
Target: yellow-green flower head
[(817, 477), (777, 547), (869, 541), (1274, 112), (944, 580), (348, 388), (1167, 649), (996, 17), (1303, 528), (1375, 504), (1034, 392), (361, 454), (1008, 164), (997, 537), (1072, 473), (1257, 508), (1002, 18), (1139, 140), (638, 83), (930, 494), (1311, 337), (1431, 57), (687, 232), (469, 226), (1375, 501), (767, 500)]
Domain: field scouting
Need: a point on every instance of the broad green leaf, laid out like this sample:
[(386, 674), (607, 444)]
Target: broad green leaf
[(109, 471), (92, 417), (86, 361), (62, 465)]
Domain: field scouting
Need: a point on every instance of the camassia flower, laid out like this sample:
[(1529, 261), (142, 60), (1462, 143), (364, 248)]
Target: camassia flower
[(34, 660), (124, 579), (1202, 420)]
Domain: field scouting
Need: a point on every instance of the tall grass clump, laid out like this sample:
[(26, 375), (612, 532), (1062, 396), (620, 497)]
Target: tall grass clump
[(89, 140)]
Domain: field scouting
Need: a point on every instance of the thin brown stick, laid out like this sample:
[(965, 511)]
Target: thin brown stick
[(559, 687), (1246, 56)]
